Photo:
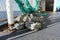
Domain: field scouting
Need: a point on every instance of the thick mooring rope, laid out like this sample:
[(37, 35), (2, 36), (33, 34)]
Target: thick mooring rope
[(27, 8)]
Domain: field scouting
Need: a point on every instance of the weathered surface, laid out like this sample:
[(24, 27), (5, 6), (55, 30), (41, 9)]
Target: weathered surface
[(52, 33)]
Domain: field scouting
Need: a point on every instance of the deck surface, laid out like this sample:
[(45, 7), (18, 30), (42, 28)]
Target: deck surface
[(50, 33)]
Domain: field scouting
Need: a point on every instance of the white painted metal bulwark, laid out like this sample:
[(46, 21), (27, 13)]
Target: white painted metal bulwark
[(9, 12)]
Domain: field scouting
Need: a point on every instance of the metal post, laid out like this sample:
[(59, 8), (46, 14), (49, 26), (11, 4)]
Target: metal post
[(54, 8), (9, 13)]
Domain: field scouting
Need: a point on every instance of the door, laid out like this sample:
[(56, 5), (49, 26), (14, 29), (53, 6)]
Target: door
[(49, 5)]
